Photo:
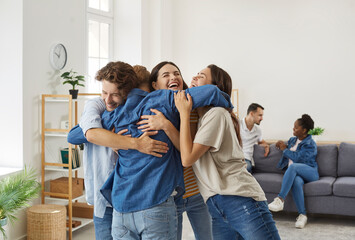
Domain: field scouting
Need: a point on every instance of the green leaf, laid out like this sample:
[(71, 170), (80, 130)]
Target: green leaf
[(16, 191), (316, 131), (73, 78)]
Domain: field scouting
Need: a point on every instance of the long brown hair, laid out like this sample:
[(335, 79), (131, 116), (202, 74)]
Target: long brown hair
[(223, 81)]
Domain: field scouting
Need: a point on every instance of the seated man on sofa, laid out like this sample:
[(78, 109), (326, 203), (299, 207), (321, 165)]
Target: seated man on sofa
[(251, 133)]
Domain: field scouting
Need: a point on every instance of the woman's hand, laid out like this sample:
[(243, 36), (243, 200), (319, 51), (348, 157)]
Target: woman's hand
[(281, 145), (153, 122), (183, 105)]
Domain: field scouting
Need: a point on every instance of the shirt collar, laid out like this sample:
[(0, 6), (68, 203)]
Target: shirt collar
[(137, 91), (244, 125)]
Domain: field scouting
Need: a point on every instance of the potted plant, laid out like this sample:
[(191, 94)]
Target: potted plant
[(73, 79), (315, 132), (15, 193)]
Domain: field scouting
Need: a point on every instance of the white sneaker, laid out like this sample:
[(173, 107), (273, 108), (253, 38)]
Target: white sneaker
[(301, 221), (276, 205)]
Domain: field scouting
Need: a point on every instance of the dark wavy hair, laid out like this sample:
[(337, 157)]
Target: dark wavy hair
[(223, 81), (306, 122), (120, 73), (155, 71)]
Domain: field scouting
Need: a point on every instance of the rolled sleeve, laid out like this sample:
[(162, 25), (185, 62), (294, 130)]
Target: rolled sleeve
[(91, 116)]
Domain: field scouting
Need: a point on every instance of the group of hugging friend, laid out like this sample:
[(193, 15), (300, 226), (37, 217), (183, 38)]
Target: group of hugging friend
[(155, 148)]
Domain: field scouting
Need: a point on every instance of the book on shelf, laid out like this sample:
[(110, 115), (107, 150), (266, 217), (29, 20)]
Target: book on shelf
[(75, 157)]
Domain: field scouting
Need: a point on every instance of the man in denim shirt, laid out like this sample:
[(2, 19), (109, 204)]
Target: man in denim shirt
[(142, 185), (98, 160)]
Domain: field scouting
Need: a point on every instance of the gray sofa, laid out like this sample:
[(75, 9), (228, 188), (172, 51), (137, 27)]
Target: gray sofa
[(333, 193)]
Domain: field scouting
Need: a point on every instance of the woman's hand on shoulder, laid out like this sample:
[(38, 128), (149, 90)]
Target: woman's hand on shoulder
[(183, 104)]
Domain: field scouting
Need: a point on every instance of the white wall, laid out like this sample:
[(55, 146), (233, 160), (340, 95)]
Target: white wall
[(35, 25), (292, 57), (11, 142)]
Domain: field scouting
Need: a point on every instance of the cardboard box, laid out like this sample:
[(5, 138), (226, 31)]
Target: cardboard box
[(82, 210), (61, 185), (74, 223)]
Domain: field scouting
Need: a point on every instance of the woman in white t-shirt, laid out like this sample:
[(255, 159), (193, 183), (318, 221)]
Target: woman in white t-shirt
[(235, 200), (299, 156)]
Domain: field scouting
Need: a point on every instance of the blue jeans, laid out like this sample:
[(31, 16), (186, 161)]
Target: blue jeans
[(159, 222), (103, 225), (198, 215), (249, 165), (294, 177), (236, 217)]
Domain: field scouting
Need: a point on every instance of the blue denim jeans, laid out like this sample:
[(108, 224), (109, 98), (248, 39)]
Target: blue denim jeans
[(198, 215), (159, 222), (236, 217), (103, 225), (249, 165), (294, 178)]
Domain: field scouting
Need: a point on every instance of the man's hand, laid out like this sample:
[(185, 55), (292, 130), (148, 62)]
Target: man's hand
[(120, 133), (267, 149), (147, 145)]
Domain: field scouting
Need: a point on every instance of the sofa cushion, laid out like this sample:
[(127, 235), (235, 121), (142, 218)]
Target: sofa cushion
[(266, 164), (269, 182), (346, 160), (321, 187), (344, 187), (327, 156)]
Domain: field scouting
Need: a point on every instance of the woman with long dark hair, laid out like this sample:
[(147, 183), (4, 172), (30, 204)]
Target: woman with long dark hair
[(235, 200), (167, 75)]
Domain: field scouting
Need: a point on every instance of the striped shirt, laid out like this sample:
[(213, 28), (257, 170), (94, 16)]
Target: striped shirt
[(191, 186)]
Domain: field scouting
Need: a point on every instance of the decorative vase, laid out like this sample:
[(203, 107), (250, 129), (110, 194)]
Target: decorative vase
[(74, 93), (315, 138), (3, 221)]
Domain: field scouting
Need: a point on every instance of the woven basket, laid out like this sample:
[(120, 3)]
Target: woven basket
[(46, 221)]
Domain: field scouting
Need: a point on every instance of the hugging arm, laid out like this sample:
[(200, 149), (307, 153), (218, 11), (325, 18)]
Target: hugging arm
[(159, 122), (209, 95), (190, 152)]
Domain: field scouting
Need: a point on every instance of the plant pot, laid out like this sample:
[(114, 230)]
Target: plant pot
[(3, 221), (74, 93)]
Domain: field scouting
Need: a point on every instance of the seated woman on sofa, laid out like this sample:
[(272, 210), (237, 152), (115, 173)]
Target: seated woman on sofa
[(299, 157)]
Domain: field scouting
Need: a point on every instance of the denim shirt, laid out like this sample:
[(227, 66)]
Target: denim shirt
[(306, 153), (141, 181), (98, 161)]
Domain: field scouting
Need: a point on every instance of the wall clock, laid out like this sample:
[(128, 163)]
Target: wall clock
[(58, 56)]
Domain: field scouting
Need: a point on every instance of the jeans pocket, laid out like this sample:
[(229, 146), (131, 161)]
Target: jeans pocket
[(119, 230), (160, 222)]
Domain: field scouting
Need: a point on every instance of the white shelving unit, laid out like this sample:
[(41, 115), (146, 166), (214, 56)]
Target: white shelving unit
[(58, 166)]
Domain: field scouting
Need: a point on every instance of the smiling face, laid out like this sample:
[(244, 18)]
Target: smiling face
[(111, 95), (299, 131), (169, 77), (203, 77)]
